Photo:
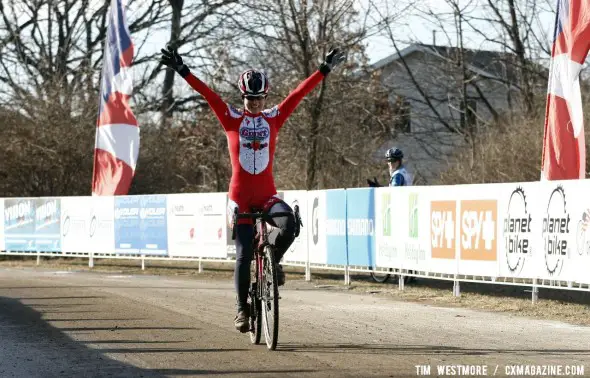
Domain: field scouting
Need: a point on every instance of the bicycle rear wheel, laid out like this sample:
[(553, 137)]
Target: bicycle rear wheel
[(270, 299)]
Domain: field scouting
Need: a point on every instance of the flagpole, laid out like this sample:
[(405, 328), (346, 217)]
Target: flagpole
[(549, 82)]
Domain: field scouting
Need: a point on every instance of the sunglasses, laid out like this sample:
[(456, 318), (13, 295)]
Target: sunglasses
[(251, 98)]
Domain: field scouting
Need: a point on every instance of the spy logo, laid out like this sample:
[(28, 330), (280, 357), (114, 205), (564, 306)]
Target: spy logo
[(314, 221), (442, 229), (517, 231), (556, 228), (478, 230)]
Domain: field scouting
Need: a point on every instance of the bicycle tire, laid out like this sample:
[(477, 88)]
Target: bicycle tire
[(255, 309), (381, 278), (270, 299)]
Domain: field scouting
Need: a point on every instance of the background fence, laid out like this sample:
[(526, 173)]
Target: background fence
[(533, 234)]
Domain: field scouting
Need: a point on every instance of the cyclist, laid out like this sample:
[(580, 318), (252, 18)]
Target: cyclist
[(398, 174), (251, 135)]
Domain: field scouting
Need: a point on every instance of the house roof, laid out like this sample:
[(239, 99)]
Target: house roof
[(491, 64)]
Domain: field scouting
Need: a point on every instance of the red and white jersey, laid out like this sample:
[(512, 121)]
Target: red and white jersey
[(252, 141)]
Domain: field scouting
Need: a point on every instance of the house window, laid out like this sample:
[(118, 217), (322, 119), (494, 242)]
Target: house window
[(401, 114), (468, 116)]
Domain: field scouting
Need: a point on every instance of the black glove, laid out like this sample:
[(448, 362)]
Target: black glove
[(172, 59), (373, 184), (334, 58)]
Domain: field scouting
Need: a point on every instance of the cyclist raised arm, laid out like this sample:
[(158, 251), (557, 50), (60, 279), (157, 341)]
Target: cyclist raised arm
[(252, 134)]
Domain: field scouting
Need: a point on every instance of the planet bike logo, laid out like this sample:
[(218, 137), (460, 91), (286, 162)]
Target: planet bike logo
[(478, 230), (314, 221), (556, 228), (443, 216), (517, 231)]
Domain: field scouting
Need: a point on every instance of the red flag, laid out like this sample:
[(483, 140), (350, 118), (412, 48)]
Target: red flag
[(117, 133), (564, 149)]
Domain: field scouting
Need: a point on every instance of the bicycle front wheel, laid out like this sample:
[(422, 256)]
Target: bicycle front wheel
[(270, 299), (255, 314)]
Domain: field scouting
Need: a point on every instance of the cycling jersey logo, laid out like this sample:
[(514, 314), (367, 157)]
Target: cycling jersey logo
[(314, 221), (478, 230), (556, 228), (443, 215), (517, 231)]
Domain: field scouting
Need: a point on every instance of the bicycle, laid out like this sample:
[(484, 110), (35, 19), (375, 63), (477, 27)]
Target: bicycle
[(263, 295)]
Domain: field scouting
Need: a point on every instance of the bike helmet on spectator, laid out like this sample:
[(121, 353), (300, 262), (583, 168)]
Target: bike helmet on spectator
[(253, 83), (394, 154)]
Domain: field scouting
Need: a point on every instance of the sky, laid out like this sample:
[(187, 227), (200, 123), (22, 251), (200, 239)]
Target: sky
[(414, 25)]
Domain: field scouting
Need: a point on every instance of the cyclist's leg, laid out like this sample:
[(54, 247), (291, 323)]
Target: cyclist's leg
[(282, 235), (243, 243), (244, 236)]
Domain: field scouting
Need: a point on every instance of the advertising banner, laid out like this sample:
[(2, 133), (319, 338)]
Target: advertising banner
[(140, 225), (388, 249), (335, 227), (316, 207), (48, 224), (19, 224), (414, 213), (182, 223), (210, 232), (87, 224), (478, 230), (360, 208), (297, 253)]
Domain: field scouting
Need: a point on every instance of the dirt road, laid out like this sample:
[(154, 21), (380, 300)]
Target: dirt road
[(105, 325)]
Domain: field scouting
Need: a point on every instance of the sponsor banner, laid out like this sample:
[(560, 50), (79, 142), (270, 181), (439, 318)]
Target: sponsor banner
[(153, 229), (519, 210), (581, 227), (140, 225), (478, 230), (127, 228), (182, 224), (210, 232), (19, 224), (444, 231), (316, 207), (48, 224), (415, 227), (87, 224), (360, 223), (298, 250), (335, 227), (2, 245), (561, 206), (388, 230)]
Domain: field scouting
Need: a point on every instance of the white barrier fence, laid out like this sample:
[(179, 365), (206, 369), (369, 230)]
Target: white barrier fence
[(532, 234)]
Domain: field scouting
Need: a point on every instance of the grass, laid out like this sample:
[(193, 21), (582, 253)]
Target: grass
[(568, 306)]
